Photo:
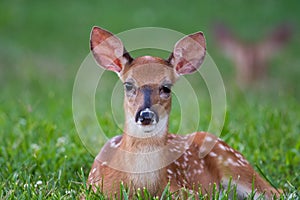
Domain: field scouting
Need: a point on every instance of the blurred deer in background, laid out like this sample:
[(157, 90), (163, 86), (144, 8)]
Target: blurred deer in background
[(251, 58), (146, 154)]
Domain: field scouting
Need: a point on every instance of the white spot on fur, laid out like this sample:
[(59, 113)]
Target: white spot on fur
[(238, 155), (189, 174), (177, 163), (220, 158), (172, 150), (202, 162), (241, 163), (208, 138), (186, 159), (114, 143), (169, 171), (186, 146), (231, 162), (202, 150), (177, 151), (212, 154), (221, 146), (232, 150)]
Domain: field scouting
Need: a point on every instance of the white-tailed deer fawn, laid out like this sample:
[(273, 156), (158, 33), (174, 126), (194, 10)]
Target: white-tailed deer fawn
[(251, 58), (147, 155)]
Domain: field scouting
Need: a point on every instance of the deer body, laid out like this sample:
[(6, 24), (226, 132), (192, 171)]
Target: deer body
[(251, 59), (147, 155)]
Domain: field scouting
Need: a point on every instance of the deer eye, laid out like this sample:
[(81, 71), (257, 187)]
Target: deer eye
[(128, 86), (165, 90)]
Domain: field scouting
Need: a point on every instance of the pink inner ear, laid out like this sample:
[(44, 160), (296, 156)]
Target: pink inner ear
[(106, 62), (199, 38), (98, 35), (187, 69), (189, 53), (106, 49), (118, 65)]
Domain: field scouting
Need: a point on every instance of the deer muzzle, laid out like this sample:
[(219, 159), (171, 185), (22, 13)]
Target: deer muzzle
[(146, 117)]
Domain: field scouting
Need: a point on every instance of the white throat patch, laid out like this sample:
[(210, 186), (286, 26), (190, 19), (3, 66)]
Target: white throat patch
[(146, 131)]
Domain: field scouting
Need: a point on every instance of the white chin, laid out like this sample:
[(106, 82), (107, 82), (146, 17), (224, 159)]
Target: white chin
[(146, 131), (147, 128)]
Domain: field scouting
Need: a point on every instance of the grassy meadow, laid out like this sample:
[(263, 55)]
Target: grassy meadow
[(43, 43)]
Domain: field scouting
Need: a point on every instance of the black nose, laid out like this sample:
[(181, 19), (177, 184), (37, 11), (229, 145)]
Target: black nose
[(146, 117)]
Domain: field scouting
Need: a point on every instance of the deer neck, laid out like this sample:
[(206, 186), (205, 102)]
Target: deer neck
[(144, 155)]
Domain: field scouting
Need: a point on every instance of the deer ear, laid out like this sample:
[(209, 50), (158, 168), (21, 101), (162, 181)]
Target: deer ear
[(276, 39), (188, 53), (108, 50)]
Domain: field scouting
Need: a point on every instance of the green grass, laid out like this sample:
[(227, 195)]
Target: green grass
[(42, 46)]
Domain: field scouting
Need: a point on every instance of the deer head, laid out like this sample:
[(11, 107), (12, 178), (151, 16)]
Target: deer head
[(147, 80)]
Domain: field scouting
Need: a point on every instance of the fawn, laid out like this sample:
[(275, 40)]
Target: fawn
[(146, 154), (251, 58)]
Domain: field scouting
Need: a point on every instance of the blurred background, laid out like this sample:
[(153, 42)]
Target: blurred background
[(42, 44), (51, 37)]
